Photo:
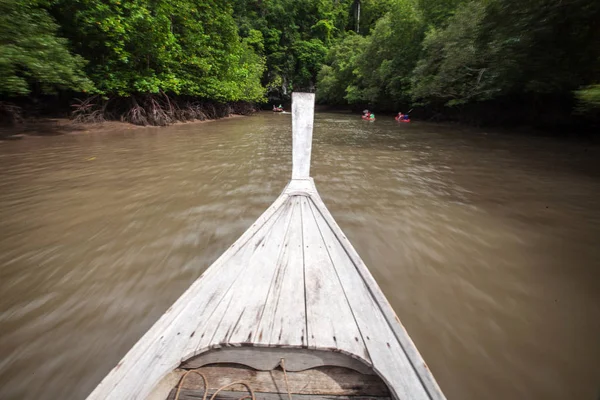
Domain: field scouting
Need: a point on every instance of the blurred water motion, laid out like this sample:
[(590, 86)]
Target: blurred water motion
[(485, 244)]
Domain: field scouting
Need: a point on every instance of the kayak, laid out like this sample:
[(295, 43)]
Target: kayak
[(402, 120), (278, 110), (367, 118)]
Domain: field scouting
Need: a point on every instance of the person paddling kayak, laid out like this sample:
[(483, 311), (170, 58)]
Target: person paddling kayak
[(367, 115), (402, 117)]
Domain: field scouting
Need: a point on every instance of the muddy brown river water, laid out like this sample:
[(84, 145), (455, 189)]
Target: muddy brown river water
[(487, 244)]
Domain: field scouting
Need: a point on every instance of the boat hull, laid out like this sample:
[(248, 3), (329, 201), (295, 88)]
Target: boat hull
[(291, 293)]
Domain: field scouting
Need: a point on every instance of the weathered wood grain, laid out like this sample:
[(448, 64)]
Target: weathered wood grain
[(247, 296), (206, 323), (283, 321), (329, 318), (224, 395), (319, 381)]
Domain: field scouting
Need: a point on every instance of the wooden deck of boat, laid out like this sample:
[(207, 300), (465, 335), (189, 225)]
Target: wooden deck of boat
[(291, 285), (325, 383)]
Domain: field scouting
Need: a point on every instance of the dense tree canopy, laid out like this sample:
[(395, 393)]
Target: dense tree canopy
[(384, 53), (297, 34), (180, 46), (504, 47), (383, 62), (32, 55), (457, 52)]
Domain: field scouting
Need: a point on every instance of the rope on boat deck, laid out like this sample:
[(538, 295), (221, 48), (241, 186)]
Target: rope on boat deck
[(180, 384), (287, 385), (231, 384), (205, 381)]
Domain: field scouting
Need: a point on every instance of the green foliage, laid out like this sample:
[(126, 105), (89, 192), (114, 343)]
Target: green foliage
[(309, 55), (371, 11), (376, 69), (589, 98), (296, 36), (508, 47), (422, 51), (32, 54), (391, 54), (338, 78), (455, 52), (437, 12), (455, 68), (185, 47), (543, 46)]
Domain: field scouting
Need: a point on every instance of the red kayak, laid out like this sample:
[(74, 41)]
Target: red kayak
[(367, 118), (402, 120)]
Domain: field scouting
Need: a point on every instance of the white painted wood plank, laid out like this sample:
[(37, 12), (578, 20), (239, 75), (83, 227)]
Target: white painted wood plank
[(303, 109), (392, 352), (159, 350), (221, 316), (283, 322), (250, 292), (330, 323), (302, 187)]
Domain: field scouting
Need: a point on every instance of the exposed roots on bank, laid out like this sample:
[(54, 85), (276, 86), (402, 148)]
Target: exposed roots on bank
[(155, 109), (10, 114)]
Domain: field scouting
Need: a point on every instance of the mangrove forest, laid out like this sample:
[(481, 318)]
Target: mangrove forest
[(160, 61)]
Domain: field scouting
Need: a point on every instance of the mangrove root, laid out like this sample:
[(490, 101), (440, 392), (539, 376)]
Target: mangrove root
[(10, 114), (155, 109)]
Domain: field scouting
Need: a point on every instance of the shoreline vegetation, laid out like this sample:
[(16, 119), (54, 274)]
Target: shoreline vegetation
[(58, 126), (479, 62)]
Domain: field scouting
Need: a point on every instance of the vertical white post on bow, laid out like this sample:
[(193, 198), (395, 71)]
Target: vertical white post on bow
[(303, 111)]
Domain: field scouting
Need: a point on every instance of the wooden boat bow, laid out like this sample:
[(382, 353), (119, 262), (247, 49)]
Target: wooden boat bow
[(291, 287)]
